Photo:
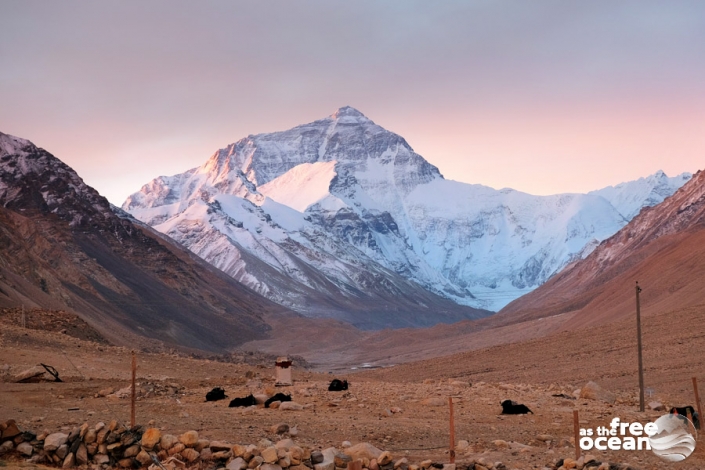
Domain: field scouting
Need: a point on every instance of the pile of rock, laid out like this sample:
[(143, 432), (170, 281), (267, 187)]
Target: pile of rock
[(115, 445), (588, 462)]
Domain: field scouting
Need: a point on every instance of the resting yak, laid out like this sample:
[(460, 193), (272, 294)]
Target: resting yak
[(249, 400), (216, 394), (277, 397), (684, 410), (510, 407), (338, 385)]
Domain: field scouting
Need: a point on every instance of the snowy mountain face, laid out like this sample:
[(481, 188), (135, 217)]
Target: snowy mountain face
[(629, 198), (343, 203)]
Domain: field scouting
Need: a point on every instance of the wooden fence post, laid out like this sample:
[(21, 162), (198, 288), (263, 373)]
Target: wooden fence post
[(134, 374), (576, 429), (452, 431)]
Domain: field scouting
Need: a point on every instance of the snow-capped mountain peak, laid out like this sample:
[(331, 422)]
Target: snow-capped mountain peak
[(343, 196)]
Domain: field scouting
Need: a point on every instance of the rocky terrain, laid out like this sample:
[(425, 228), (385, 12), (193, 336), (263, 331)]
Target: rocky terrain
[(401, 409)]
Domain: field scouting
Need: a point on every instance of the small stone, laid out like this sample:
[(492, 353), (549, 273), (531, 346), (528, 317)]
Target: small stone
[(131, 451), (426, 463), (238, 450), (82, 455), (290, 406), (143, 457), (54, 441), (434, 401), (341, 460), (190, 454), (269, 466), (346, 444), (363, 450), (280, 428), (102, 459), (570, 463), (150, 438), (657, 406), (176, 448), (384, 458), (373, 465), (62, 451), (125, 463), (222, 455), (25, 449), (206, 454), (189, 438), (500, 444), (402, 464), (167, 441), (68, 461), (285, 444), (237, 464), (270, 455), (316, 457), (593, 391), (544, 437), (91, 436), (202, 444), (255, 462), (217, 446)]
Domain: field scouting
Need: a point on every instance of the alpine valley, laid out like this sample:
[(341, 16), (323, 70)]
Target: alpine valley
[(341, 218)]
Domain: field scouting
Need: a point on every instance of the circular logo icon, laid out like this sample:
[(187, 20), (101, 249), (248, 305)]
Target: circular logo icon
[(675, 439)]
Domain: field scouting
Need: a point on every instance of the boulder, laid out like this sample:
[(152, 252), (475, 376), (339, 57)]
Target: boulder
[(362, 451), (593, 391)]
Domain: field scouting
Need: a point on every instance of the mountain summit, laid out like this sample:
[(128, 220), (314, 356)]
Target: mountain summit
[(342, 196)]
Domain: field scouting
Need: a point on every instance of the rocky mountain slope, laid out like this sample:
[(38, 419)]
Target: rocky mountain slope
[(343, 205), (662, 248), (62, 247)]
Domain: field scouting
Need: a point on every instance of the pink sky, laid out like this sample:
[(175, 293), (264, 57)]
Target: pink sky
[(545, 98)]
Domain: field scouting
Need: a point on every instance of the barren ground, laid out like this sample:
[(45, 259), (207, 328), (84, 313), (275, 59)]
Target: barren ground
[(530, 372)]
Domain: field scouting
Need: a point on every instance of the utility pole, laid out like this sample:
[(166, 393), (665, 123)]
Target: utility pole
[(638, 340)]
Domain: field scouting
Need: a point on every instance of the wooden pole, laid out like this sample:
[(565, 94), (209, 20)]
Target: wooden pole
[(638, 338), (24, 322), (576, 430), (452, 431), (134, 374), (697, 402)]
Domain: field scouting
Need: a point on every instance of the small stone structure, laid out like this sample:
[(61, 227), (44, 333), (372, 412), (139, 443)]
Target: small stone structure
[(283, 370)]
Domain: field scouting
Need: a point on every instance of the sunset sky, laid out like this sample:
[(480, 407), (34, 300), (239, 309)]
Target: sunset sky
[(541, 96)]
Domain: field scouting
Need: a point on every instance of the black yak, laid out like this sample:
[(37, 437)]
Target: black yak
[(510, 407), (277, 397), (338, 385), (249, 400), (683, 411), (216, 394)]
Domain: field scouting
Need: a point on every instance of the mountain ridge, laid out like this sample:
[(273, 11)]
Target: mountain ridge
[(385, 206)]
